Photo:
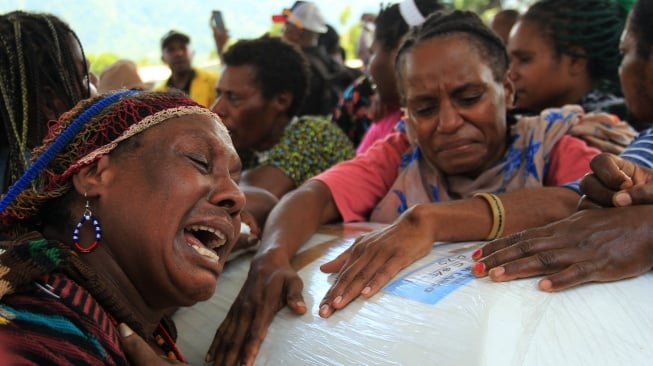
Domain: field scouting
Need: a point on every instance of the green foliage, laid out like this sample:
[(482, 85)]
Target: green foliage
[(143, 61), (101, 61), (349, 40), (275, 29), (344, 15)]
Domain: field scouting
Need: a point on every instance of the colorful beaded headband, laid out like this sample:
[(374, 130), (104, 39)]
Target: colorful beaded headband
[(51, 152), (144, 124)]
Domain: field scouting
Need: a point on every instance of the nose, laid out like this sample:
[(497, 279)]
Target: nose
[(176, 51), (512, 71), (219, 107), (229, 196), (449, 118)]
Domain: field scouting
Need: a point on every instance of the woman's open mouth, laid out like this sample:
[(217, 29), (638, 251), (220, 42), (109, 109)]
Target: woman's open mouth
[(205, 240)]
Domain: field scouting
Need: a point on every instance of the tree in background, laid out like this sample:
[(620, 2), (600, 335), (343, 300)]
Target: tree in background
[(100, 61)]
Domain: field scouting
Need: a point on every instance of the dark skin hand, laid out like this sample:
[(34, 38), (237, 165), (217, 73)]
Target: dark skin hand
[(589, 246), (246, 324), (272, 282), (603, 145), (593, 245), (374, 259), (617, 182), (221, 37), (138, 352)]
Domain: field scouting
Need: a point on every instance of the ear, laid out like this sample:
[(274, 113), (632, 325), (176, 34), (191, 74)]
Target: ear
[(94, 179), (577, 64), (282, 101), (53, 106), (508, 91)]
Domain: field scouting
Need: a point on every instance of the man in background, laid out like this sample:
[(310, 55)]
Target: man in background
[(177, 54), (304, 23)]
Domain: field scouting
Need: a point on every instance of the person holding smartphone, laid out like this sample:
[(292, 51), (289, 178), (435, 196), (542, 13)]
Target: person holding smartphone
[(220, 32)]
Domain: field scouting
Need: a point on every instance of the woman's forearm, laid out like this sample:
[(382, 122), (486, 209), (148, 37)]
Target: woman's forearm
[(296, 218), (471, 219)]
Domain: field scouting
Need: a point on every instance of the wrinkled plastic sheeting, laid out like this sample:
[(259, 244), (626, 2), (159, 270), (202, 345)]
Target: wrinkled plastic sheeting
[(480, 323)]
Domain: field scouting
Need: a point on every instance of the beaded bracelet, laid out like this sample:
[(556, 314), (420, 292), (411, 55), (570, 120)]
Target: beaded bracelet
[(498, 214)]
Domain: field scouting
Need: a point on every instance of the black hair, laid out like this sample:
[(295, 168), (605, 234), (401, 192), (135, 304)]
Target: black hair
[(279, 65), (390, 26), (36, 64), (467, 23), (330, 40), (641, 25), (594, 26)]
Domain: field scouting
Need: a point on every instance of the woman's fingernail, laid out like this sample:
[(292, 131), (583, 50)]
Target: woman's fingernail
[(366, 291), (497, 271), (479, 267), (337, 300), (545, 285), (124, 330), (324, 310), (622, 199), (477, 254)]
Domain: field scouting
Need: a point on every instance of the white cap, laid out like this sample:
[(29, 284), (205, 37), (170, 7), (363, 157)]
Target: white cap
[(304, 15)]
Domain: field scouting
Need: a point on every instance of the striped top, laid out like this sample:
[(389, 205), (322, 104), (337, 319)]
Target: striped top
[(56, 321), (47, 318), (639, 151)]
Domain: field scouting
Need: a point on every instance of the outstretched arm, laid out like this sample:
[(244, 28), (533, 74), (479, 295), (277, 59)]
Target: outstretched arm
[(272, 282), (375, 258), (604, 244), (221, 37), (263, 187), (591, 245)]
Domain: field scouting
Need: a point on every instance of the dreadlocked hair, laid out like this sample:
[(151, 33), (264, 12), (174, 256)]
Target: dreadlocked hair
[(457, 22), (390, 26), (37, 64), (641, 26), (589, 29), (46, 203)]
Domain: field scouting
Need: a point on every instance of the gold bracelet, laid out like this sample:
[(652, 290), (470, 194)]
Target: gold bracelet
[(498, 214)]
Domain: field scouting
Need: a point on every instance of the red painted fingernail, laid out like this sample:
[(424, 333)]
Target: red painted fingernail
[(479, 267), (477, 254)]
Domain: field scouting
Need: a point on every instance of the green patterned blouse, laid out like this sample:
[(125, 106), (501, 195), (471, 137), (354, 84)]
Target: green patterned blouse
[(309, 146)]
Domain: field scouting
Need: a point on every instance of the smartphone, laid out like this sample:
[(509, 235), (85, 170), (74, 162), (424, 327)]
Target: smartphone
[(217, 20)]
